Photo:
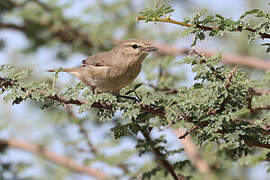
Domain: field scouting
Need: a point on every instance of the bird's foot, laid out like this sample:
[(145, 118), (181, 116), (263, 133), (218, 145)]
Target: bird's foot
[(93, 89)]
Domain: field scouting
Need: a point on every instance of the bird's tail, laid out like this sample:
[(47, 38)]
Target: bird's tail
[(74, 71)]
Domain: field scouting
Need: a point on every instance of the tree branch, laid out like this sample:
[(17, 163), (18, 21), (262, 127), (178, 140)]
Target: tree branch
[(11, 26), (232, 59), (57, 159), (213, 69), (158, 111), (227, 98), (183, 136), (166, 164), (205, 28), (253, 92)]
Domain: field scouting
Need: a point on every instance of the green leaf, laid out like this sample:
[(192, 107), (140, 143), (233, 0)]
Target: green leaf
[(160, 9)]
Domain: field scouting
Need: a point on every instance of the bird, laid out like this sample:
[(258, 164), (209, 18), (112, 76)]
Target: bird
[(110, 71)]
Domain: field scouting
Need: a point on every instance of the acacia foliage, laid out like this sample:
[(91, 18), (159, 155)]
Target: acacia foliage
[(226, 110)]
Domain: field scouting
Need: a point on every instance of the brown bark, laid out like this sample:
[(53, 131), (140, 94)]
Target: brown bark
[(232, 59)]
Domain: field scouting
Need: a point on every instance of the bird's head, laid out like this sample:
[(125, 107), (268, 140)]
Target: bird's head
[(135, 49)]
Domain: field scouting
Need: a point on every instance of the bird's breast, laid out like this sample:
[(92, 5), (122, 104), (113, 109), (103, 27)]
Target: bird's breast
[(114, 78)]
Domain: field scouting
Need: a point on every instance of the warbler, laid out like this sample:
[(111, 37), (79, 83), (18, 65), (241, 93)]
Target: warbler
[(112, 70)]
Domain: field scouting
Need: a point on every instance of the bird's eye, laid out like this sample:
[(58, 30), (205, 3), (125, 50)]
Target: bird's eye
[(134, 46)]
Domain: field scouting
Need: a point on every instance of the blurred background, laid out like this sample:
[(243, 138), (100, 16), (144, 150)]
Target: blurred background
[(46, 34)]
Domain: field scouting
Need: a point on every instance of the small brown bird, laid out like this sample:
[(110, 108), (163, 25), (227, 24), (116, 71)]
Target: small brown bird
[(111, 71)]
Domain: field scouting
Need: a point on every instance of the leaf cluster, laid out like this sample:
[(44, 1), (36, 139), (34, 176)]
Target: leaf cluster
[(255, 22), (160, 9)]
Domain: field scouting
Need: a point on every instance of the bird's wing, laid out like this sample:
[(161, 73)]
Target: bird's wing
[(101, 59)]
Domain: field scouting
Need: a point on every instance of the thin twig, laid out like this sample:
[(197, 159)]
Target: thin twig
[(213, 69), (226, 99), (12, 26), (205, 28), (188, 132)]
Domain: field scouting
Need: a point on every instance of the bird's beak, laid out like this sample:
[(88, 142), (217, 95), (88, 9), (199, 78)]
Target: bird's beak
[(149, 49)]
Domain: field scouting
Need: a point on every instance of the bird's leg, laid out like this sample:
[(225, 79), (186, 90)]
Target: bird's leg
[(95, 93), (93, 89)]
